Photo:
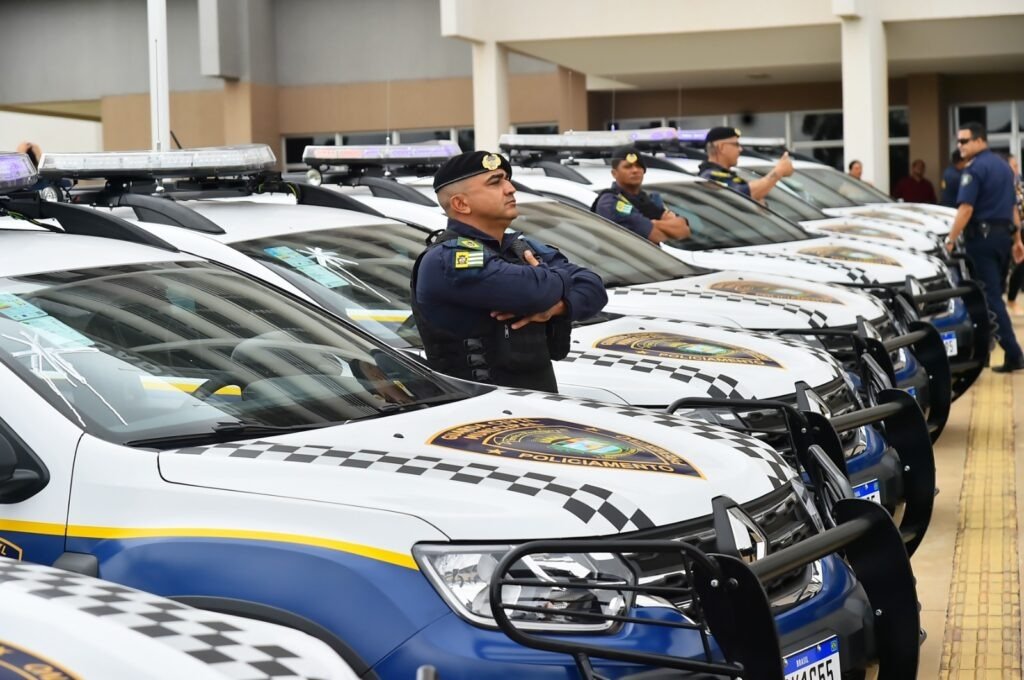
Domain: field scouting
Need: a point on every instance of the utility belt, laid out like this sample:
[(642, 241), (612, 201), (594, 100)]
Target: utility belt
[(982, 228)]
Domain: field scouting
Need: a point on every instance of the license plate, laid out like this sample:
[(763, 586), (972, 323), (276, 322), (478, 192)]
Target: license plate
[(870, 491), (949, 340), (817, 662)]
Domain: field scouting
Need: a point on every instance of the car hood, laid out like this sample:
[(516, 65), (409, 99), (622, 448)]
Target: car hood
[(835, 260), (744, 300), (652, 362), (883, 232), (936, 225), (507, 464)]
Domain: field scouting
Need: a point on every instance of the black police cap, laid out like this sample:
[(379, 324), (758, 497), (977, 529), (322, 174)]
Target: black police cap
[(627, 153), (470, 164), (716, 134)]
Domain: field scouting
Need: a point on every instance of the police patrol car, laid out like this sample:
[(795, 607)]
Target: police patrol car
[(59, 625), (182, 428), (797, 207), (358, 265), (644, 281), (732, 231)]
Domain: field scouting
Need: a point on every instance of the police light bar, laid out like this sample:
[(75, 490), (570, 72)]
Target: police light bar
[(208, 161), (692, 135), (585, 140), (430, 153), (16, 172)]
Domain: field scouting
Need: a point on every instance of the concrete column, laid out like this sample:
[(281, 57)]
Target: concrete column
[(865, 89), (927, 124), (572, 103), (490, 94)]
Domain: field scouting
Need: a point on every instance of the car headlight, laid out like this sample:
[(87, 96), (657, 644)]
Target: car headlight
[(462, 574)]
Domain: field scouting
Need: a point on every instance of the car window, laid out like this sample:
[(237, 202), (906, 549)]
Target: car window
[(854, 189), (140, 351), (616, 254), (722, 218), (809, 189), (785, 202)]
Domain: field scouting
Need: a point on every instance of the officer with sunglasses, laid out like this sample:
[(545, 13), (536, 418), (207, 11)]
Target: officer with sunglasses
[(723, 148), (990, 226)]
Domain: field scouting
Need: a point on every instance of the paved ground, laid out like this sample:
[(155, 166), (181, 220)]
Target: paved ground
[(968, 567)]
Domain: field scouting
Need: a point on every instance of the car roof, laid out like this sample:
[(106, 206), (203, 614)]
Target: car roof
[(252, 219), (30, 251)]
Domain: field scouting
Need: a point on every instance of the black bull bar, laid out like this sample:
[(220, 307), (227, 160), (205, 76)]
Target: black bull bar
[(902, 425), (726, 601)]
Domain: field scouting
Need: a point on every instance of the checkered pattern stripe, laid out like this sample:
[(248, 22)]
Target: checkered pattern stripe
[(591, 504), (715, 385), (205, 636), (854, 274), (814, 318), (779, 472), (788, 341)]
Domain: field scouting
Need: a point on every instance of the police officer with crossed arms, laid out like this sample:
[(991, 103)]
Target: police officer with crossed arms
[(990, 226), (491, 305), (629, 206), (722, 145)]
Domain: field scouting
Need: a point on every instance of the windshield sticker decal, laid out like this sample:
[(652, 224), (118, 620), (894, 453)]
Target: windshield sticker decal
[(850, 255), (674, 346), (16, 309), (547, 440), (307, 266), (860, 230), (773, 291), (58, 332), (25, 664)]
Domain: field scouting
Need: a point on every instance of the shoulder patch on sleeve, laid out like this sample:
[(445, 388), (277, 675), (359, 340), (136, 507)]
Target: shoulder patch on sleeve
[(720, 173), (966, 179), (468, 259), (469, 243), (623, 207)]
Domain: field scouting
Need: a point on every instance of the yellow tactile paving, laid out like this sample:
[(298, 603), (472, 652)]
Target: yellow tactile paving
[(983, 632)]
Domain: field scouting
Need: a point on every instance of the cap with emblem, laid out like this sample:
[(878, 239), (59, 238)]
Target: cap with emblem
[(629, 154), (716, 134), (470, 164)]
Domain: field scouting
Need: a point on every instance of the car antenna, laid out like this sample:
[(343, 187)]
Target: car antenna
[(175, 138)]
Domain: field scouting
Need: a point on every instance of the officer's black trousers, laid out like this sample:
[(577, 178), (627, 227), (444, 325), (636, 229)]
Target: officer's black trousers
[(991, 256)]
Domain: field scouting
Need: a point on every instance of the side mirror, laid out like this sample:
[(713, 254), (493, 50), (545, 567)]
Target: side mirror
[(17, 482)]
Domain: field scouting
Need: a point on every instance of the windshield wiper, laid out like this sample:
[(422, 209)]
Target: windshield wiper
[(222, 432)]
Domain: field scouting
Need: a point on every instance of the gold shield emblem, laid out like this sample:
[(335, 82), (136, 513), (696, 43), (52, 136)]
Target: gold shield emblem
[(491, 161), (631, 158)]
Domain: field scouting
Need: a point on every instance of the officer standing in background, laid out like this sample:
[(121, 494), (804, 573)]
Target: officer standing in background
[(991, 228), (629, 206), (491, 306), (950, 185), (723, 148)]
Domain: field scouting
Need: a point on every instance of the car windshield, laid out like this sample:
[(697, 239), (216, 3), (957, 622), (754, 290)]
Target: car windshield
[(722, 218), (145, 352), (361, 273), (852, 188), (785, 202), (617, 255), (808, 189)]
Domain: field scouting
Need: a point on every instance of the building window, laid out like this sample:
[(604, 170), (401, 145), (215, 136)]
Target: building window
[(1003, 120)]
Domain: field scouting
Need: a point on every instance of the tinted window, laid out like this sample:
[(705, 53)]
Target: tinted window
[(784, 202), (851, 188), (722, 218), (143, 351)]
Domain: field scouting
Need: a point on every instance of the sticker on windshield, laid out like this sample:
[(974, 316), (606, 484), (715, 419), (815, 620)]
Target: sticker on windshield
[(547, 440), (673, 346), (58, 332), (306, 266), (846, 254), (859, 230), (773, 290), (16, 309)]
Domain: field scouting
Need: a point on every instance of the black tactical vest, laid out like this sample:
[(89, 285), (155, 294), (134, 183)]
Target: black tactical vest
[(493, 353), (642, 202)]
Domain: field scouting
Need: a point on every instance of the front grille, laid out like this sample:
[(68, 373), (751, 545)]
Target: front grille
[(780, 515), (841, 347)]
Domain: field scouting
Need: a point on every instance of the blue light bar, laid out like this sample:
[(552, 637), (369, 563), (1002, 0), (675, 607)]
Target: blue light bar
[(692, 135), (428, 153), (16, 172)]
